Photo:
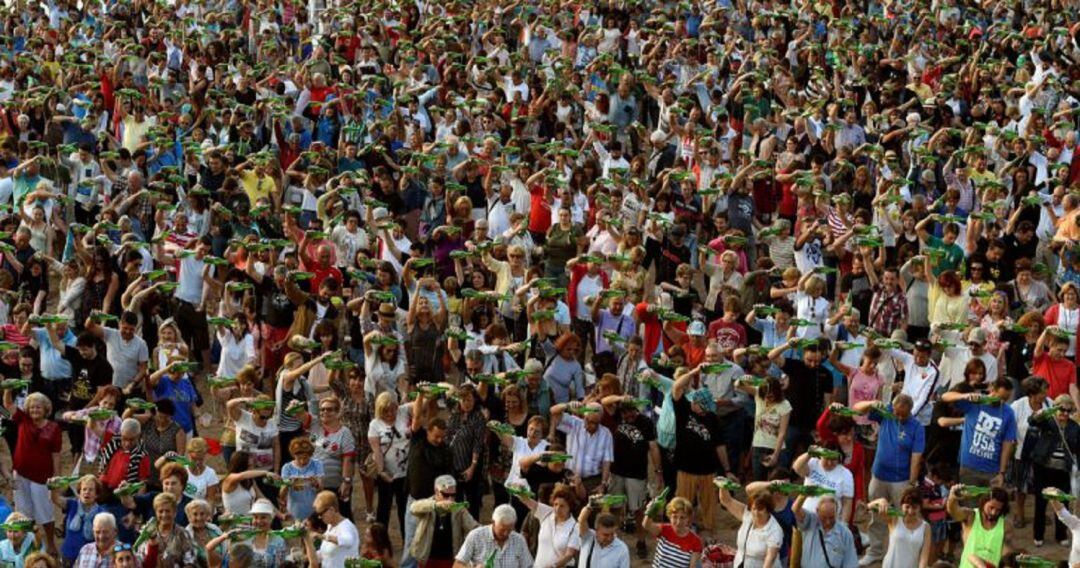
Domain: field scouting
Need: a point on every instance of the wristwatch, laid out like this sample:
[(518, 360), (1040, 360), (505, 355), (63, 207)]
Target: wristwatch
[(347, 479)]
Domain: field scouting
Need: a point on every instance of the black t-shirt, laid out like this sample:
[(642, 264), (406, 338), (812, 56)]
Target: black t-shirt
[(426, 462), (442, 540), (806, 391), (277, 308), (1015, 250), (87, 374), (631, 445), (540, 474), (696, 439)]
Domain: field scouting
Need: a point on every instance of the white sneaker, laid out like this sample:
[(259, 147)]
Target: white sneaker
[(868, 560), (1038, 544)]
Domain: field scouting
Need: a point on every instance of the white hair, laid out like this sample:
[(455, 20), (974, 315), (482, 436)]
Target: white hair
[(130, 426), (504, 515), (105, 520)]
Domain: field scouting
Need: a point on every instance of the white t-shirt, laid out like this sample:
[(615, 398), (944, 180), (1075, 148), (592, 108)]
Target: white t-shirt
[(234, 354), (191, 280), (124, 356), (348, 545), (205, 480), (754, 546), (255, 440), (839, 480), (392, 440), (522, 450), (587, 286), (554, 539)]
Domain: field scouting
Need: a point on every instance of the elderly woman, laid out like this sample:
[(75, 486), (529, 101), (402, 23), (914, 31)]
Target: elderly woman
[(169, 544), (96, 431), (35, 459), (387, 437), (559, 539), (677, 544), (160, 433), (79, 513), (18, 544), (348, 387), (100, 549), (335, 447), (173, 481), (269, 549), (465, 434), (305, 477), (1029, 293), (201, 530), (760, 536)]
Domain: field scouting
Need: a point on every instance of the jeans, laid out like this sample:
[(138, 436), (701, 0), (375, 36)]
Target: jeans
[(407, 561), (390, 491), (731, 436)]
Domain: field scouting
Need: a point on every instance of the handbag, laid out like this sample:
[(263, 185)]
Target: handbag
[(370, 468)]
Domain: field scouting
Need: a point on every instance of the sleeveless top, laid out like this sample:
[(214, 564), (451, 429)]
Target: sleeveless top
[(905, 545), (239, 500), (984, 543), (424, 353)]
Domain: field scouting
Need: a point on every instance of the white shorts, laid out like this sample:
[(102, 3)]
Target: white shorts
[(34, 500), (634, 489)]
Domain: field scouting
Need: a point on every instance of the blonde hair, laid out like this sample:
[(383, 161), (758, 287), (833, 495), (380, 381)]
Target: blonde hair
[(189, 509), (814, 286), (383, 401), (39, 398), (197, 445), (679, 505)]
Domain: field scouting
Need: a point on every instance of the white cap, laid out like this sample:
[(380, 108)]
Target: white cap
[(262, 507)]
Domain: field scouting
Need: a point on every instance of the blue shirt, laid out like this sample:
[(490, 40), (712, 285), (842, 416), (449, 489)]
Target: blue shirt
[(986, 428), (53, 365), (903, 438), (302, 501), (78, 532), (183, 395)]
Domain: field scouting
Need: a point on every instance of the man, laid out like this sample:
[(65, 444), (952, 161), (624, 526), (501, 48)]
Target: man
[(989, 436), (954, 255), (439, 530), (90, 371), (921, 377), (99, 554), (895, 470), (123, 458), (700, 453), (635, 446), (808, 387), (53, 339), (612, 319), (536, 390), (498, 541), (190, 312), (667, 255), (985, 529), (589, 443), (825, 542), (601, 547), (888, 307), (429, 457), (341, 540), (127, 354)]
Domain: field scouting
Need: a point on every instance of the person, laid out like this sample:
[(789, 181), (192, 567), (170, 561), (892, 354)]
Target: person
[(428, 458), (387, 437), (498, 540), (677, 544), (35, 459), (989, 434), (1070, 521), (809, 389), (601, 546), (127, 353), (99, 552), (759, 537), (341, 539), (909, 533), (79, 515), (588, 441), (19, 543), (123, 458), (441, 528), (826, 542), (304, 473), (984, 527), (558, 542), (699, 452), (635, 446), (1052, 452), (167, 541)]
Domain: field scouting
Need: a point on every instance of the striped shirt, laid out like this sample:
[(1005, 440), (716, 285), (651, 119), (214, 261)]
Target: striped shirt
[(674, 551), (590, 451)]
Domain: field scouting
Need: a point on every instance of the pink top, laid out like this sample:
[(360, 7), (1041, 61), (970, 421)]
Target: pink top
[(862, 388)]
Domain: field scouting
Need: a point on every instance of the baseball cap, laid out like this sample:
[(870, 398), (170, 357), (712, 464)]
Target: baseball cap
[(977, 335), (697, 328)]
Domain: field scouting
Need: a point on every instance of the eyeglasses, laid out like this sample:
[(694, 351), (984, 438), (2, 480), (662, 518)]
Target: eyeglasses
[(327, 409), (121, 546)]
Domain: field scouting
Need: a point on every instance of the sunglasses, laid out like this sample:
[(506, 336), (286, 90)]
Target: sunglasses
[(121, 546)]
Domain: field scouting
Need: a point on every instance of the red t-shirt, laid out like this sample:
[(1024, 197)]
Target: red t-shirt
[(729, 335), (29, 459), (539, 209), (675, 550), (117, 468), (1060, 373)]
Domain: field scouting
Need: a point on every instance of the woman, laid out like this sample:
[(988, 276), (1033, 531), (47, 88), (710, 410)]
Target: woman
[(387, 436), (677, 545), (269, 549), (559, 539), (810, 305), (72, 286), (563, 243), (335, 447), (96, 431), (945, 301), (771, 416), (348, 386), (423, 335), (509, 276), (384, 364), (465, 435), (18, 544), (199, 528), (1021, 340), (996, 318), (840, 430), (563, 372), (292, 390), (244, 387), (1028, 293), (326, 334), (721, 276), (102, 282), (1066, 315), (79, 515), (515, 414), (202, 480), (1033, 402), (169, 545), (160, 434), (1053, 457), (760, 537), (170, 346), (304, 474), (238, 487), (909, 533), (38, 440), (34, 283), (256, 431), (864, 383), (237, 348), (376, 545)]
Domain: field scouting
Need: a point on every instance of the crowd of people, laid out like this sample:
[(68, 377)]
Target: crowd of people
[(536, 283)]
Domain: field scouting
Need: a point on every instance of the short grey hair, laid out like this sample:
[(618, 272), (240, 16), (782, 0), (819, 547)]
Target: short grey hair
[(131, 426), (474, 355), (105, 520), (828, 499), (504, 515)]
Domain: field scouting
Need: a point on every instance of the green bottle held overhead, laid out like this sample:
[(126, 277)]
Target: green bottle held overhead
[(14, 384), (18, 526), (234, 521), (974, 491), (296, 531), (130, 489), (500, 428), (555, 457), (362, 563), (658, 503), (61, 482), (1055, 494), (102, 414), (182, 460), (140, 404), (520, 491), (608, 501), (727, 484), (845, 411), (715, 368), (1032, 561), (261, 404), (824, 453), (221, 382)]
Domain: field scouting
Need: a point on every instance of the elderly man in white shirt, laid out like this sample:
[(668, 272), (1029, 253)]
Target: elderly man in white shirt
[(601, 547), (590, 443)]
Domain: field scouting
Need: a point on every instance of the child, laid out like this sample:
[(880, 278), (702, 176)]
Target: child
[(935, 492), (376, 545), (305, 473), (19, 543)]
